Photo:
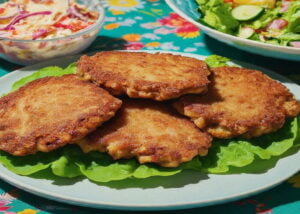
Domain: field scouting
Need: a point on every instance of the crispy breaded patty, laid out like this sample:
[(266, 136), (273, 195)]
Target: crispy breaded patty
[(50, 112), (240, 102), (144, 75), (151, 132)]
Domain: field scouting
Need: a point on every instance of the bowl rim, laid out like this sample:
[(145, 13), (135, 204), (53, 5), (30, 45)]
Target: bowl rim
[(98, 23), (229, 36)]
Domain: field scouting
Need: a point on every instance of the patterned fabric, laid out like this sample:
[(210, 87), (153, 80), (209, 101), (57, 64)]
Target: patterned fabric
[(150, 24)]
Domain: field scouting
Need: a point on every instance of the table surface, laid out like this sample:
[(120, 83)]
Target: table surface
[(150, 24)]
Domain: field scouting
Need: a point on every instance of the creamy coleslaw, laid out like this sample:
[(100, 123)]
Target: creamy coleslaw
[(43, 19)]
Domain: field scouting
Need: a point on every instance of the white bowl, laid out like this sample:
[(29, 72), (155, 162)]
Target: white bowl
[(188, 10), (27, 52)]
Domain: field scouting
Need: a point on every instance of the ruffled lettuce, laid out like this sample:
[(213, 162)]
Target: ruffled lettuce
[(44, 72), (70, 162), (225, 156), (293, 17), (30, 164), (217, 14), (214, 61)]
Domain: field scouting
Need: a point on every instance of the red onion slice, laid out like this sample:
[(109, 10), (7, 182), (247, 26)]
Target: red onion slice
[(39, 33), (23, 16), (73, 12), (277, 24)]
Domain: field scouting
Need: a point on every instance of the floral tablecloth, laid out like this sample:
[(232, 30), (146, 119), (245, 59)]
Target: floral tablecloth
[(150, 24)]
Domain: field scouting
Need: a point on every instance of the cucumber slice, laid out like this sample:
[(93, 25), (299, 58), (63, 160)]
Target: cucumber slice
[(246, 32), (246, 12)]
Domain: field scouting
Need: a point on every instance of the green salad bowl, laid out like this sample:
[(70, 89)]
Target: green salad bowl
[(188, 10)]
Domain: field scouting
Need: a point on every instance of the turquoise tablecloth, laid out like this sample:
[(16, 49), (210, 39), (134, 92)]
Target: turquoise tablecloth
[(141, 24)]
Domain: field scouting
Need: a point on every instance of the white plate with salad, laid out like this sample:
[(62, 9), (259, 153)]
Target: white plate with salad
[(264, 27), (127, 185)]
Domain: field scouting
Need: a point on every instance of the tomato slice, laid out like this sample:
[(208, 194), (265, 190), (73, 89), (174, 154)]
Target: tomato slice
[(74, 26)]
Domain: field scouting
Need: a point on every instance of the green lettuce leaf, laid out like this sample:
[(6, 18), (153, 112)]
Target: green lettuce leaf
[(30, 164), (44, 72), (214, 61), (241, 153), (292, 15), (64, 166), (149, 170), (289, 37), (100, 167), (217, 14)]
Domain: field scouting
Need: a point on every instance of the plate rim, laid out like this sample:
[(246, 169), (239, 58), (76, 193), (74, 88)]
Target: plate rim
[(138, 207)]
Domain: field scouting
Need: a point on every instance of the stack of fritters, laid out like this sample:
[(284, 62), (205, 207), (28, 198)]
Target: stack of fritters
[(148, 130), (223, 102)]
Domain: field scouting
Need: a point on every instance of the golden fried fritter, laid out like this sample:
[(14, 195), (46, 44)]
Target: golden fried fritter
[(150, 131), (144, 75), (50, 112), (240, 102)]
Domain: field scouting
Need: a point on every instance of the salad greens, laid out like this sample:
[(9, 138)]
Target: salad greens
[(214, 61), (217, 15), (225, 156), (277, 24), (293, 14)]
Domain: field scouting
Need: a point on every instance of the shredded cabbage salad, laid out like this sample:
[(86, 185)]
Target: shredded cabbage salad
[(43, 19)]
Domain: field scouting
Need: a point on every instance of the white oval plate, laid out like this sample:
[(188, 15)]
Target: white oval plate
[(186, 190)]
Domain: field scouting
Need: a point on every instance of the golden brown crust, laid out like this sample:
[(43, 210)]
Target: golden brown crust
[(145, 75), (240, 102), (151, 132), (50, 112)]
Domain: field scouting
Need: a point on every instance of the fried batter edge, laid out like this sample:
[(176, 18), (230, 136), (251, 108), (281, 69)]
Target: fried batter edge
[(142, 88)]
